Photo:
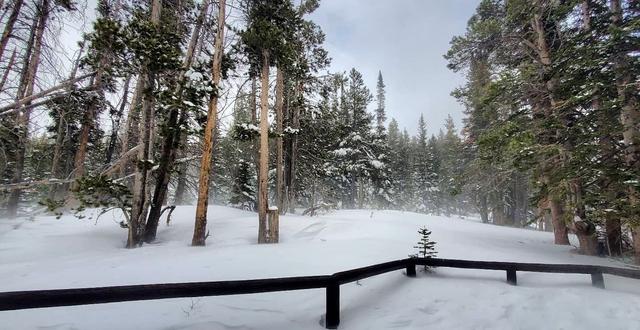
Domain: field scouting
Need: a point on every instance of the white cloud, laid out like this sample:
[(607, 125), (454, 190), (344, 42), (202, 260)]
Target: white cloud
[(406, 40)]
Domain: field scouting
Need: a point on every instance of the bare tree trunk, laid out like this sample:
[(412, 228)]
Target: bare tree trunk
[(12, 61), (140, 201), (279, 146), (25, 116), (8, 28), (200, 228), (630, 119), (263, 193)]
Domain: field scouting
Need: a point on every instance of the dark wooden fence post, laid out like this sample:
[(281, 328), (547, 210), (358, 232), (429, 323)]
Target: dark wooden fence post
[(597, 280), (411, 268), (511, 276), (332, 317)]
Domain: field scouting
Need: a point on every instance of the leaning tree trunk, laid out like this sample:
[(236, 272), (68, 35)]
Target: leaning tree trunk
[(200, 229), (23, 117), (263, 169), (279, 146), (629, 118)]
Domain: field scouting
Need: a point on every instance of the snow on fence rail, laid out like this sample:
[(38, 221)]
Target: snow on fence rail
[(86, 296)]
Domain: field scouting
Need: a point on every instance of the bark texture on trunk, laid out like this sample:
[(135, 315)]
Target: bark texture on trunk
[(560, 232), (263, 192), (200, 228)]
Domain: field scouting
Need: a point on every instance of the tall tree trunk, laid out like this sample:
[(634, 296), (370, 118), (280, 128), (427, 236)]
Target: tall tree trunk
[(256, 144), (140, 201), (8, 28), (200, 229), (26, 90), (171, 138), (279, 146), (295, 122), (263, 189), (544, 109), (630, 119)]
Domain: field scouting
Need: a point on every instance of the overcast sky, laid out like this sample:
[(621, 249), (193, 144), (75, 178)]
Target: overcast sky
[(405, 39)]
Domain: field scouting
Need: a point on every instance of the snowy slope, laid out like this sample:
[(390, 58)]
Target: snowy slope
[(66, 253)]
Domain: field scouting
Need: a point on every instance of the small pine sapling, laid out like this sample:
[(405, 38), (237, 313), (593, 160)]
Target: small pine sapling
[(425, 246)]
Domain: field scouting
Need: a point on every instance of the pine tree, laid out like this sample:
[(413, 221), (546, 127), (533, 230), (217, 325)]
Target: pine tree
[(381, 116), (425, 246)]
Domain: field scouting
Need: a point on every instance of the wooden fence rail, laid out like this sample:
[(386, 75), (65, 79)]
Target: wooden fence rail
[(331, 283)]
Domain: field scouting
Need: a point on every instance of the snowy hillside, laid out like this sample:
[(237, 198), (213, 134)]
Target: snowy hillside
[(68, 253)]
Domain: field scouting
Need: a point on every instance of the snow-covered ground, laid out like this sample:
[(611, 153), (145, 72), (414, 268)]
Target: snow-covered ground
[(67, 253)]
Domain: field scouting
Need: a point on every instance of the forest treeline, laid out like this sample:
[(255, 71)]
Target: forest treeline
[(168, 103), (553, 117)]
